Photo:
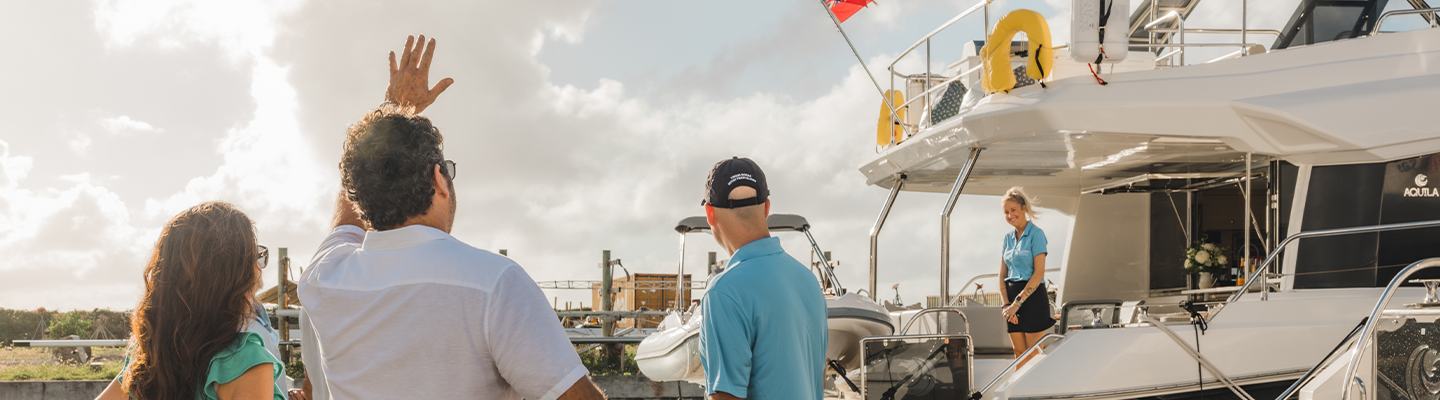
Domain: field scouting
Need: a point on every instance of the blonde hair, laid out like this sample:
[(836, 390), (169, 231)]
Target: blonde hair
[(1017, 195)]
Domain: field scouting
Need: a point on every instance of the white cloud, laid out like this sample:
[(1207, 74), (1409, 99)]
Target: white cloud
[(125, 126), (552, 172)]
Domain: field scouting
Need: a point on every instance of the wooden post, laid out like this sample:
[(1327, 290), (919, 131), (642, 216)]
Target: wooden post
[(607, 323), (283, 264)]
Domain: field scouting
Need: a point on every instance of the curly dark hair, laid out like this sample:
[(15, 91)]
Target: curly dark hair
[(386, 168)]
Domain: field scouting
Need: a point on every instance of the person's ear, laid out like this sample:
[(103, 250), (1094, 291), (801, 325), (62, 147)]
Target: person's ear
[(767, 208), (710, 216), (440, 183)]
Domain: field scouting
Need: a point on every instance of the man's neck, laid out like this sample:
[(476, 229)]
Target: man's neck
[(744, 240), (423, 221)]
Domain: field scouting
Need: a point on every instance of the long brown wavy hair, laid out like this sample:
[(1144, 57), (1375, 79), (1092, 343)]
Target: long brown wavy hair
[(199, 285)]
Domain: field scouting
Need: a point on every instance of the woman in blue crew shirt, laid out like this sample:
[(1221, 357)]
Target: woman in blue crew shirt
[(1022, 274)]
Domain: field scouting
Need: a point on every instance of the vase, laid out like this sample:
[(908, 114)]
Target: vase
[(1207, 280)]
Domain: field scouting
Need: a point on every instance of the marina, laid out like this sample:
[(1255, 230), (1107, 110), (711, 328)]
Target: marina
[(1252, 217)]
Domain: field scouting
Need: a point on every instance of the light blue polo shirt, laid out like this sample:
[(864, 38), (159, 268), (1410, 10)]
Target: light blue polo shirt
[(1019, 255), (764, 332)]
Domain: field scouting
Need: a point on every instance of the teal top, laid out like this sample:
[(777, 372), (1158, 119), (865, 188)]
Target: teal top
[(764, 333), (1019, 255), (247, 351)]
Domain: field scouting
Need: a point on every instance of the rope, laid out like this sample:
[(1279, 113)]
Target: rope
[(1200, 325), (1104, 18)]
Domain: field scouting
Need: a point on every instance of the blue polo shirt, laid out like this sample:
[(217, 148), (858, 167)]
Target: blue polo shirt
[(1019, 255), (764, 331)]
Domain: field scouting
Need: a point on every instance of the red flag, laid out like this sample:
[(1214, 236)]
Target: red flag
[(843, 9)]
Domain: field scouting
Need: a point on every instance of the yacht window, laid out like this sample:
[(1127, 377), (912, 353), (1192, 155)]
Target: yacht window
[(1369, 194), (1319, 21), (1340, 196)]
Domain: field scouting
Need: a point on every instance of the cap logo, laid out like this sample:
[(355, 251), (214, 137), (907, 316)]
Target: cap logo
[(738, 177)]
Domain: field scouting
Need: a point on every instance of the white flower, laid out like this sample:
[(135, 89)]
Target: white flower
[(1202, 257), (1189, 264), (1222, 260), (1208, 246)]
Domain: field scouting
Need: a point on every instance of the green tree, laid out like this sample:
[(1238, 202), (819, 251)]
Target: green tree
[(71, 323)]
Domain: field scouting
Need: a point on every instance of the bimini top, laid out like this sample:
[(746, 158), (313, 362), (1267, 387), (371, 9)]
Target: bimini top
[(777, 222), (1352, 101)]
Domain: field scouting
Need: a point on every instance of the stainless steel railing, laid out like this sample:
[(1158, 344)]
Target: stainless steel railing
[(1262, 273), (916, 317), (1432, 11), (1367, 333), (925, 41), (1045, 341)]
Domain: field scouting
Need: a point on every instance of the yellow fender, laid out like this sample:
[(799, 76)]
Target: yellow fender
[(887, 130), (996, 53)]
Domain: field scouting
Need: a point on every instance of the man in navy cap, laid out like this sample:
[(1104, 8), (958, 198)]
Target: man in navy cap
[(764, 332)]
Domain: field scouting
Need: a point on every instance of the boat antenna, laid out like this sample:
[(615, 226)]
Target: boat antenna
[(893, 114)]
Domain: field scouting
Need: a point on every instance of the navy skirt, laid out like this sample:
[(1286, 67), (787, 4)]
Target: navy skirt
[(1034, 314)]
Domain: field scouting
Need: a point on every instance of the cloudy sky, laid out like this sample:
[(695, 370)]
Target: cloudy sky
[(578, 126)]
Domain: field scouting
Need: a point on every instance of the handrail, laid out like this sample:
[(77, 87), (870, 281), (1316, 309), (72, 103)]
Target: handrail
[(1211, 30), (1234, 388), (875, 233), (1369, 329), (952, 21), (1014, 365), (960, 180), (825, 263), (981, 276), (1379, 22), (937, 320), (1259, 273), (1324, 362)]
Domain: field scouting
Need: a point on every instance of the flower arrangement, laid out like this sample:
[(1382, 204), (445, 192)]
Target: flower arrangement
[(1206, 257)]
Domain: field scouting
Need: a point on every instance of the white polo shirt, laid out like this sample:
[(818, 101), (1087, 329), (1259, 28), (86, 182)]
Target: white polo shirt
[(413, 313)]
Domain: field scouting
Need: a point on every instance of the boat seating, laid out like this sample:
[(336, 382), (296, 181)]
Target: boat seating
[(949, 103)]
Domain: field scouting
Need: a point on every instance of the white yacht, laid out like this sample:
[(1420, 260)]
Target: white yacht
[(1313, 153)]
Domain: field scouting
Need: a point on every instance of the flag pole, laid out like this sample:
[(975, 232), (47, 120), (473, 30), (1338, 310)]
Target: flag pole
[(885, 96)]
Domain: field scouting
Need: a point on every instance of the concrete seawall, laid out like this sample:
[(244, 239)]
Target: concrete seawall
[(615, 387)]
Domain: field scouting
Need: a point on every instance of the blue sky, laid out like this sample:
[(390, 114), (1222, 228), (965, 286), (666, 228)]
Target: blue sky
[(578, 126)]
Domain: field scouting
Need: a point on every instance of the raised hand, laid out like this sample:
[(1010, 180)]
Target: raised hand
[(410, 78)]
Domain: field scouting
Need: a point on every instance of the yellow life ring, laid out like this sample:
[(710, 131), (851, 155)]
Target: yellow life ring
[(996, 53), (887, 130)]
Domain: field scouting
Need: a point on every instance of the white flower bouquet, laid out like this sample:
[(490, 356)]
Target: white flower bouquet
[(1206, 257)]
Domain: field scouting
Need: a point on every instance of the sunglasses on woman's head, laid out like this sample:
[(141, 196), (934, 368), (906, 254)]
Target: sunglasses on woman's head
[(264, 256)]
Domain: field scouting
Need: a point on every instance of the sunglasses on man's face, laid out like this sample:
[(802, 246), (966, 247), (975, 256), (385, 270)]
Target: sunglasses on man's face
[(264, 257)]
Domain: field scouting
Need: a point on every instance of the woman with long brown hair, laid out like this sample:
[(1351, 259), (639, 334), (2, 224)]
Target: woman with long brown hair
[(189, 338)]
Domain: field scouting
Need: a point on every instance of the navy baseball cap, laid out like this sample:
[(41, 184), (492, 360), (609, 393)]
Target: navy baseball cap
[(730, 174)]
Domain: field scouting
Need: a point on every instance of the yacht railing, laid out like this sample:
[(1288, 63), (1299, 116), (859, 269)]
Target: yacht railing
[(925, 41), (1040, 345), (916, 317), (1367, 333), (928, 79), (1432, 11), (1324, 362), (1234, 388), (955, 300), (1263, 276), (875, 234)]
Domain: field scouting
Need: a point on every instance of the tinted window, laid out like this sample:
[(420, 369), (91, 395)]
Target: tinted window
[(1409, 196), (1340, 197), (1166, 236)]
